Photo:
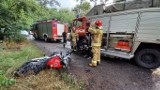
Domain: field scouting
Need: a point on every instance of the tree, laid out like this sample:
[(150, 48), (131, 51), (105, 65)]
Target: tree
[(65, 15), (82, 8), (50, 2), (16, 15)]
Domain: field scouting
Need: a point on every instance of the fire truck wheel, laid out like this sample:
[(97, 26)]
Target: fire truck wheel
[(148, 58), (45, 38)]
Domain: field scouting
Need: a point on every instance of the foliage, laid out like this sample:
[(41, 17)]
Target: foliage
[(66, 15), (5, 82), (19, 38), (15, 15), (12, 59), (50, 2), (82, 8), (21, 14)]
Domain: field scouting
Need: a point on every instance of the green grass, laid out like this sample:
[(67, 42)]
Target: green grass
[(71, 81), (11, 59)]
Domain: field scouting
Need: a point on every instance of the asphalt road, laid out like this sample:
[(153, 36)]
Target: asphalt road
[(111, 74)]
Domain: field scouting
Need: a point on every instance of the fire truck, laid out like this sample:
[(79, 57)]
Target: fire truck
[(49, 30), (129, 34)]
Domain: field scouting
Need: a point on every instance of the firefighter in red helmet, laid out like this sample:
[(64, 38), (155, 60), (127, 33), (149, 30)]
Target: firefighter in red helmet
[(97, 33)]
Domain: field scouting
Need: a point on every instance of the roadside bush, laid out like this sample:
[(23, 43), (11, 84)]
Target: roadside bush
[(5, 82), (19, 38), (15, 38)]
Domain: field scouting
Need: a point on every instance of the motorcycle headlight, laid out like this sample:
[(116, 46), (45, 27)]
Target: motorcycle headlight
[(51, 65)]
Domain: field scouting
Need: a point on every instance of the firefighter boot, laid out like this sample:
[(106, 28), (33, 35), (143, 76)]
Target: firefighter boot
[(98, 62), (93, 64)]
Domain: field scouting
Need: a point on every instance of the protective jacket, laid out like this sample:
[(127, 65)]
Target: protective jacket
[(96, 36), (73, 36)]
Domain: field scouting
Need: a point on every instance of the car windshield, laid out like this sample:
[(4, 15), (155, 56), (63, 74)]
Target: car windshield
[(77, 23)]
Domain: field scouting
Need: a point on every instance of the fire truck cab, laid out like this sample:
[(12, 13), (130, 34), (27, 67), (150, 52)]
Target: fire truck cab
[(81, 25)]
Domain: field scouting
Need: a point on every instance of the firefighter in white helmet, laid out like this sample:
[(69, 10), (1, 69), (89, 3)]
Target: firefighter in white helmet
[(74, 38), (97, 33)]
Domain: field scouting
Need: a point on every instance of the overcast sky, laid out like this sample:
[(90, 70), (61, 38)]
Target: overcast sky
[(67, 3)]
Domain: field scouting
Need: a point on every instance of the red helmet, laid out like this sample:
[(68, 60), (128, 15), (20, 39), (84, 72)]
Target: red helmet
[(98, 22)]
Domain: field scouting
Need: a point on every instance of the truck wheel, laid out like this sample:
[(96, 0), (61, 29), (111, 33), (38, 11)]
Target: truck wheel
[(148, 58), (45, 38)]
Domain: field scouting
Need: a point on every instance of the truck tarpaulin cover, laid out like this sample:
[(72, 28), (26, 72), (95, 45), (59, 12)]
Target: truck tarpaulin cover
[(131, 4), (114, 6)]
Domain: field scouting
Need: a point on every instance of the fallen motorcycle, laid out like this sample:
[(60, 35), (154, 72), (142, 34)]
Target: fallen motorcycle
[(60, 61), (34, 66)]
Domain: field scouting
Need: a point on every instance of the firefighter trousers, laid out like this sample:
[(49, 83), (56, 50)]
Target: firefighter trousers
[(96, 55), (73, 45)]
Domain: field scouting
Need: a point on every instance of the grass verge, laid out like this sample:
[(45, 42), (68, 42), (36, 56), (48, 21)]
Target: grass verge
[(12, 58)]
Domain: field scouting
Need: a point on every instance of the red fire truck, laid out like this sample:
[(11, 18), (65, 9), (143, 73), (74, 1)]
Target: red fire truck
[(127, 34), (49, 30)]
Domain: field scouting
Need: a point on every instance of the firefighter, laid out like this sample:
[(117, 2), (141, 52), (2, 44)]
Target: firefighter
[(96, 31), (74, 38), (64, 34)]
